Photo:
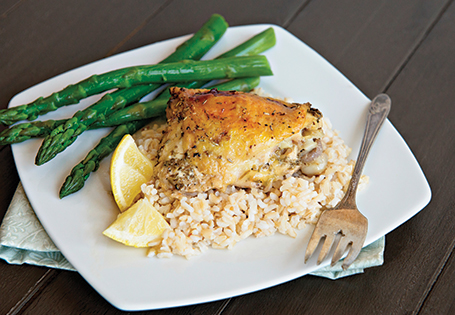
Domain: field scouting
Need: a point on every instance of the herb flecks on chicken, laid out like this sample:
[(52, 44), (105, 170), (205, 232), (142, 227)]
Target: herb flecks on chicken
[(216, 139)]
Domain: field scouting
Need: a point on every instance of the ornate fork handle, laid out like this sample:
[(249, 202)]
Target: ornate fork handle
[(377, 113)]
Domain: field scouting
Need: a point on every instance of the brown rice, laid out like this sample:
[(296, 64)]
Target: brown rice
[(220, 219)]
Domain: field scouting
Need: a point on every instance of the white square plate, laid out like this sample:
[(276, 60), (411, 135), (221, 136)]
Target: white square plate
[(125, 276)]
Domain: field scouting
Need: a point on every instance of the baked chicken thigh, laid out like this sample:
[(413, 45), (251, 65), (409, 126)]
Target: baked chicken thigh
[(216, 139)]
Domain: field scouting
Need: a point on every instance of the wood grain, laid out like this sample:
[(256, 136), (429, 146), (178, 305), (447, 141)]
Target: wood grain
[(440, 299), (40, 40), (367, 41), (422, 90), (16, 282), (8, 178), (190, 17), (69, 293), (7, 6)]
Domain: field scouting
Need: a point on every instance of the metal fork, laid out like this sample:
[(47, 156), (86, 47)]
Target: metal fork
[(345, 222)]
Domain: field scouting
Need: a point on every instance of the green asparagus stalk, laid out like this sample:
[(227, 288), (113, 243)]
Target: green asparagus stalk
[(194, 48), (108, 103), (255, 45), (201, 42), (156, 107), (25, 131), (21, 132), (175, 72), (187, 71), (80, 173)]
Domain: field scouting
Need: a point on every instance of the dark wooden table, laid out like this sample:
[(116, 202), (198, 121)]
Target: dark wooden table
[(405, 48)]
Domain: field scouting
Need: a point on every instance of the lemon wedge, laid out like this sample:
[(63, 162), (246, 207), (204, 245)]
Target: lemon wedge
[(138, 225), (129, 170)]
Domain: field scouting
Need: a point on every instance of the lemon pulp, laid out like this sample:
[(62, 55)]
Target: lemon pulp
[(129, 170), (138, 226)]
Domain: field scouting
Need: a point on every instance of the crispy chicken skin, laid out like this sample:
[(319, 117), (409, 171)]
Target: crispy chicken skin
[(216, 139)]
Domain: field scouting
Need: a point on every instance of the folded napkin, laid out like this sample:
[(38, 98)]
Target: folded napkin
[(24, 240)]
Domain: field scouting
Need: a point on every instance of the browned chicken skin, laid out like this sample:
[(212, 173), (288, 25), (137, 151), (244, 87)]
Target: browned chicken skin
[(216, 139)]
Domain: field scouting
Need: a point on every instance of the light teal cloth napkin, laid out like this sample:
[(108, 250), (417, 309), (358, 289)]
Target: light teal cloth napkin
[(24, 240)]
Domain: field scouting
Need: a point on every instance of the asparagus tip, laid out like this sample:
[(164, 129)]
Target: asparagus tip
[(70, 186)]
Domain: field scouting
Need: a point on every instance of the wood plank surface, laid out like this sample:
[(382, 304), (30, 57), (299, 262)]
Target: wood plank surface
[(8, 178), (428, 84), (404, 48), (440, 299), (190, 17), (69, 293), (6, 6), (367, 40), (40, 38)]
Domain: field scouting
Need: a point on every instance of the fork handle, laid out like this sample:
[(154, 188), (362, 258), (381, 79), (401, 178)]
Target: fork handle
[(377, 113)]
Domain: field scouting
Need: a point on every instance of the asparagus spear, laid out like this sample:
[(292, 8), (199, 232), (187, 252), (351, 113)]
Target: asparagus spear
[(80, 173), (140, 111), (255, 45), (21, 132), (157, 106), (109, 103), (24, 131), (186, 71), (194, 48)]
